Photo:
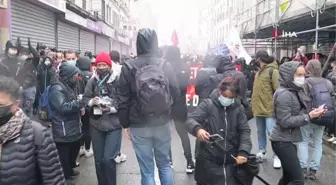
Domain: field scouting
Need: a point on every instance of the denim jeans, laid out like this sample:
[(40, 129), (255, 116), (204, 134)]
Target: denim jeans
[(28, 98), (291, 170), (316, 131), (150, 142), (105, 148), (264, 124)]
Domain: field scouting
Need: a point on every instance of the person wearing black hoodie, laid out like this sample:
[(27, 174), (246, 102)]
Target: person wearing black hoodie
[(84, 65), (115, 56), (149, 131), (179, 108), (66, 113)]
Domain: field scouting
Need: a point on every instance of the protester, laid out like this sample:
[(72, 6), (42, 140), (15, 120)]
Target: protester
[(71, 57), (84, 65), (11, 58), (115, 56), (300, 55), (25, 144), (232, 127), (289, 111), (264, 86), (66, 113), (314, 80), (145, 112), (27, 77), (179, 109), (106, 132), (331, 129)]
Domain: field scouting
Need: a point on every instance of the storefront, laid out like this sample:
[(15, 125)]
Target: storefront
[(116, 45), (102, 44), (67, 36), (124, 45), (87, 41), (35, 22)]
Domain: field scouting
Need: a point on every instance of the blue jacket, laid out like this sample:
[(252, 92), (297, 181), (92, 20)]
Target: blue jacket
[(66, 122)]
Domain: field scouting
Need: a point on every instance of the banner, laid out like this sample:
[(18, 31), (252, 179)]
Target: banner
[(192, 99), (236, 47)]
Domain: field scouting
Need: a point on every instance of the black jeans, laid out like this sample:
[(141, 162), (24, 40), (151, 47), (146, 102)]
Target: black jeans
[(86, 139), (182, 131), (106, 147), (292, 172), (68, 154)]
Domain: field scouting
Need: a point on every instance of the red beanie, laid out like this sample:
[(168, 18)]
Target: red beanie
[(103, 57)]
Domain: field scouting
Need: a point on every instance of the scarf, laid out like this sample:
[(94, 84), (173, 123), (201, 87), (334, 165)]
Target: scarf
[(12, 128)]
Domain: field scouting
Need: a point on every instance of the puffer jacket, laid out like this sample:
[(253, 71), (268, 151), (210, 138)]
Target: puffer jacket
[(229, 122), (27, 73), (105, 122), (263, 89), (66, 124), (31, 158), (290, 106)]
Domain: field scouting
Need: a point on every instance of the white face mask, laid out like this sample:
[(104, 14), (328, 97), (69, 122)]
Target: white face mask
[(299, 81)]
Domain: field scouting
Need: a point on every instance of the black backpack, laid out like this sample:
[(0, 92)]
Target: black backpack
[(320, 95), (152, 88)]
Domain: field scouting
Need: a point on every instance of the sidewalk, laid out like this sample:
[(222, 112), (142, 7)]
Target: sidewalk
[(328, 144)]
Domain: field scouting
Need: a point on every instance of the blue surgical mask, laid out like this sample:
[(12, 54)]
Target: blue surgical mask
[(225, 101), (72, 62)]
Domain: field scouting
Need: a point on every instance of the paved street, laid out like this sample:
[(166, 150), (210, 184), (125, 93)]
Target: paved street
[(128, 172)]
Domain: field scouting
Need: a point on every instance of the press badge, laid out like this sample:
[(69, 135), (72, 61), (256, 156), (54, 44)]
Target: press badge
[(97, 111)]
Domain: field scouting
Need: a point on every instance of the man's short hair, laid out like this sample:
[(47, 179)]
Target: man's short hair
[(10, 87), (70, 52)]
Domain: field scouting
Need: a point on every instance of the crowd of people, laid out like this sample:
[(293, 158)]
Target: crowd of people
[(85, 103)]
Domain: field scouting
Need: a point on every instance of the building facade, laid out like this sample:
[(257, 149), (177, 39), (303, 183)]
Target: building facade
[(84, 25), (256, 21)]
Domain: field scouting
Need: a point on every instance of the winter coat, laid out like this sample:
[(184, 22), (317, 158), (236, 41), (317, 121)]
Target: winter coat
[(129, 112), (179, 109), (108, 121), (229, 122), (66, 124), (263, 89), (31, 158), (289, 106), (27, 73), (4, 70)]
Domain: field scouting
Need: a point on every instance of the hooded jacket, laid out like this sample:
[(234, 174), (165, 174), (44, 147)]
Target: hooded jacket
[(229, 122), (66, 124), (31, 149), (129, 113), (289, 106), (179, 109), (263, 89), (314, 76), (108, 121), (84, 65)]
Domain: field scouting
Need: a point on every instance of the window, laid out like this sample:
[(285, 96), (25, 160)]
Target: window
[(103, 10), (84, 4)]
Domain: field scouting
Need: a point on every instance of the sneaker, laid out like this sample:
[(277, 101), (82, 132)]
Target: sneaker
[(312, 174), (171, 165), (120, 158), (81, 151), (276, 162), (334, 142), (305, 173), (69, 182), (190, 167), (332, 139), (261, 156), (88, 153)]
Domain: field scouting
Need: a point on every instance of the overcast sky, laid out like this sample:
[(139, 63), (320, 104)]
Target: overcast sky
[(170, 14)]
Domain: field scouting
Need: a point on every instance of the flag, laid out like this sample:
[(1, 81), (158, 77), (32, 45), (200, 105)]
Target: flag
[(174, 38)]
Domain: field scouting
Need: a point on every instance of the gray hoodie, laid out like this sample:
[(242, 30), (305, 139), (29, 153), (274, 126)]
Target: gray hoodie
[(289, 106)]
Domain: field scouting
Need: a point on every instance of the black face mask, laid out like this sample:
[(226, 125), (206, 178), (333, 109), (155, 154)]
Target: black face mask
[(103, 72), (5, 114)]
